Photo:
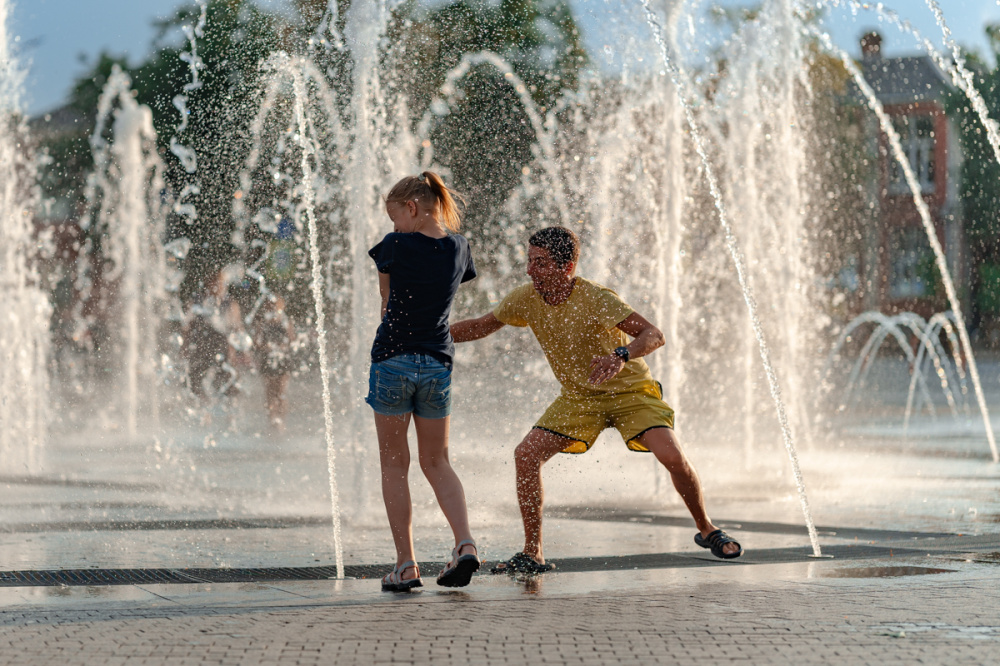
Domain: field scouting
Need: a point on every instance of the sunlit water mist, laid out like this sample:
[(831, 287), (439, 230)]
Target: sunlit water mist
[(678, 78), (339, 177), (925, 217), (126, 218), (24, 331), (614, 160), (963, 80)]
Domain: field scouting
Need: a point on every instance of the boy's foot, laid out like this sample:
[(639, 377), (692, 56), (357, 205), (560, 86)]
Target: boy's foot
[(522, 563), (722, 545)]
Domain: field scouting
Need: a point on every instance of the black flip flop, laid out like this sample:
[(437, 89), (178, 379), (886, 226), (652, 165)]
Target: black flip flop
[(522, 563), (716, 540)]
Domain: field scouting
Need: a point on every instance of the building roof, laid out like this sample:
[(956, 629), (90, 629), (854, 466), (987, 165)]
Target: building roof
[(905, 80)]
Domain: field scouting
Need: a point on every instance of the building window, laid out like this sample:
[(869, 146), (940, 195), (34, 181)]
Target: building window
[(916, 134), (911, 268)]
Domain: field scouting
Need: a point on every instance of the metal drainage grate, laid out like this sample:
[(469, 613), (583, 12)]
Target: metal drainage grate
[(695, 558), (77, 577)]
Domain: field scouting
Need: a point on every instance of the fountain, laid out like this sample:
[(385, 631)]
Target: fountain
[(932, 236), (691, 189), (126, 219), (24, 335), (947, 367)]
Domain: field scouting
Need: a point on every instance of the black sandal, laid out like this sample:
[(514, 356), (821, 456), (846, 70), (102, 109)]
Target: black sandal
[(458, 572), (522, 563), (716, 540)]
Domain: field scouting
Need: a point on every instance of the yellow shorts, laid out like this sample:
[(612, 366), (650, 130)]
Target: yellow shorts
[(582, 418)]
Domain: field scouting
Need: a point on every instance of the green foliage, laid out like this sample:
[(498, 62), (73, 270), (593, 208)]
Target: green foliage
[(486, 140), (844, 172), (237, 37), (980, 189), (988, 294)]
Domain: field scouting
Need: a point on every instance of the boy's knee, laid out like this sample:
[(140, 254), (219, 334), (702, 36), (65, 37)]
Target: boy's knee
[(526, 453), (673, 462), (670, 456)]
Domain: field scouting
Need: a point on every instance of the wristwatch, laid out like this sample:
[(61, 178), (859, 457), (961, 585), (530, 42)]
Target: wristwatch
[(622, 353)]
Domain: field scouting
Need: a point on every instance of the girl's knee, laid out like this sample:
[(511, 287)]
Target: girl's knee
[(397, 463), (431, 465)]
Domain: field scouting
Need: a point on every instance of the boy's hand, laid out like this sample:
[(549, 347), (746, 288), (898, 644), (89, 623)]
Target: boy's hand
[(603, 368)]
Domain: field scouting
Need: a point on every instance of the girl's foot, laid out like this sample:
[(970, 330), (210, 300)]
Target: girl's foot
[(464, 562), (394, 581)]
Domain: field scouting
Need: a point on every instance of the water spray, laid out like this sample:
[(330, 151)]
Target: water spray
[(741, 271), (928, 223)]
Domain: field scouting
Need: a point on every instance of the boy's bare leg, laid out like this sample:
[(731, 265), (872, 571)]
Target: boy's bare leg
[(529, 456), (664, 445), (394, 454)]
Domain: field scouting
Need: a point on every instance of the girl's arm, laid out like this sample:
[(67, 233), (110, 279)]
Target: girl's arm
[(383, 290), (468, 330)]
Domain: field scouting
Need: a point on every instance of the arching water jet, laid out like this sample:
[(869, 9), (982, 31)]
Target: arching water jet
[(928, 223), (738, 260)]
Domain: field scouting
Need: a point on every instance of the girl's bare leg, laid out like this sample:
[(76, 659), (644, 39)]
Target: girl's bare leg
[(394, 454), (432, 444)]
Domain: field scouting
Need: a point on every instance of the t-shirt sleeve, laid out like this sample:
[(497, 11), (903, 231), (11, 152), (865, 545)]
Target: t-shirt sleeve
[(610, 309), (512, 308), (470, 268), (383, 254)]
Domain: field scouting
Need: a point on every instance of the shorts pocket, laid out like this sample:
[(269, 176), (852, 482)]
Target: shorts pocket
[(439, 393), (388, 388)]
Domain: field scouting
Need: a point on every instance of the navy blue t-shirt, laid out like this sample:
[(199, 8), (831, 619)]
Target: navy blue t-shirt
[(424, 274)]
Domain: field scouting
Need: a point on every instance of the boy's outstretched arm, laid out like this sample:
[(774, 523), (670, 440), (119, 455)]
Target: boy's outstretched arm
[(468, 330), (646, 339)]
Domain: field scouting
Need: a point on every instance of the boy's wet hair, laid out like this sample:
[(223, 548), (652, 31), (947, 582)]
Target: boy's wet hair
[(429, 189), (561, 243)]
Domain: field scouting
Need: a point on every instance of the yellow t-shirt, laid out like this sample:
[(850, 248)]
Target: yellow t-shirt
[(572, 333)]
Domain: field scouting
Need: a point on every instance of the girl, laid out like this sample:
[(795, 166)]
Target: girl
[(420, 266)]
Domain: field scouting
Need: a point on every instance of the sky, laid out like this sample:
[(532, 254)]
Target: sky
[(55, 39)]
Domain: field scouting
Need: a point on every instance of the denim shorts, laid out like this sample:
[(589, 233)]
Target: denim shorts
[(417, 383)]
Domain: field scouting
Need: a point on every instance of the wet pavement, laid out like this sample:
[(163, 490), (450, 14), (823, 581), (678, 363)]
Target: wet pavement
[(804, 612), (886, 596)]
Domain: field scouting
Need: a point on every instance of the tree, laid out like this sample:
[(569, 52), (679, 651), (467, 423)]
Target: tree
[(237, 37), (980, 188), (486, 140)]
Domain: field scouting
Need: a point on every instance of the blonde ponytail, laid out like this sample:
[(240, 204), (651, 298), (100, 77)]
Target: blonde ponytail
[(429, 187)]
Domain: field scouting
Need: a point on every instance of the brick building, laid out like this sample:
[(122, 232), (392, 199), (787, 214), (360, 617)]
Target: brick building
[(898, 262)]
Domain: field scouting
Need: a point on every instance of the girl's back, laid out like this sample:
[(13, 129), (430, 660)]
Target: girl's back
[(424, 274)]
